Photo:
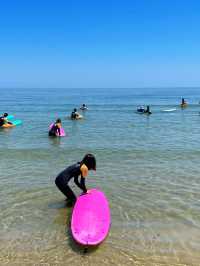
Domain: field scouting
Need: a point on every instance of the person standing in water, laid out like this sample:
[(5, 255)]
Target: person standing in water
[(79, 169), (55, 129), (74, 114), (147, 111), (183, 102)]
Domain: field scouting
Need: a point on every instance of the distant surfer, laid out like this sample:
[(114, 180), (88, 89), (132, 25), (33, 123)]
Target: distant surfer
[(147, 111), (144, 111), (140, 109), (183, 103), (83, 107)]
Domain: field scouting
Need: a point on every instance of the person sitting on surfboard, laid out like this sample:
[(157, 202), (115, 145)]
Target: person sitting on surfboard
[(74, 171), (75, 114), (55, 128), (3, 120)]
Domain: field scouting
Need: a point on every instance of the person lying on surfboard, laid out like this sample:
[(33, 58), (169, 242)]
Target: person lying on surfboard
[(74, 171), (3, 120)]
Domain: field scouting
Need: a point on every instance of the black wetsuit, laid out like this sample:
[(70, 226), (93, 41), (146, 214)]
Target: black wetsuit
[(65, 176), (73, 115), (53, 131)]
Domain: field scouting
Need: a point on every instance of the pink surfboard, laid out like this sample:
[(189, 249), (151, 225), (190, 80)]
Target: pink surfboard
[(90, 222), (62, 131)]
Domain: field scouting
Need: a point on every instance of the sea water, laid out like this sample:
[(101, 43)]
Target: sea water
[(147, 165)]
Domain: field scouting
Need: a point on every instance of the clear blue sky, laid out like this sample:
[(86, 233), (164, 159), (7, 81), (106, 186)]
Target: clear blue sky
[(74, 43)]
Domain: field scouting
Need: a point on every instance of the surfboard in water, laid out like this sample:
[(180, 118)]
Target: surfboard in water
[(91, 220), (9, 117), (16, 122), (169, 110)]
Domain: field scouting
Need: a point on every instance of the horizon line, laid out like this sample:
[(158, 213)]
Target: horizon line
[(151, 87)]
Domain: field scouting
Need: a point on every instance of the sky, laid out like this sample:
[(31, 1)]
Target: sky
[(99, 44)]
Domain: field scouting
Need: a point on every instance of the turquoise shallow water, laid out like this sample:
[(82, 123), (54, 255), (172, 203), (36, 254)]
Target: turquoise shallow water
[(148, 166)]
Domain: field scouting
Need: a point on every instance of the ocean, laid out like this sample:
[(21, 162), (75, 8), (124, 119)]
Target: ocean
[(148, 167)]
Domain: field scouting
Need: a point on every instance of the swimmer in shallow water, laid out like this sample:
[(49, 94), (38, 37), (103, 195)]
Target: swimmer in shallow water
[(143, 111)]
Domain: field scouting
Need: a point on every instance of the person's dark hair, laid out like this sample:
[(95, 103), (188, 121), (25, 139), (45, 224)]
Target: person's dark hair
[(5, 114), (75, 109), (83, 105), (90, 161), (58, 120)]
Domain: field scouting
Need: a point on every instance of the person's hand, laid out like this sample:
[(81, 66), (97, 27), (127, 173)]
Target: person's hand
[(87, 192), (83, 193)]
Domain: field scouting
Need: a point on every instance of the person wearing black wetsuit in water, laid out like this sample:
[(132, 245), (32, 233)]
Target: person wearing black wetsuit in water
[(74, 171), (55, 129)]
